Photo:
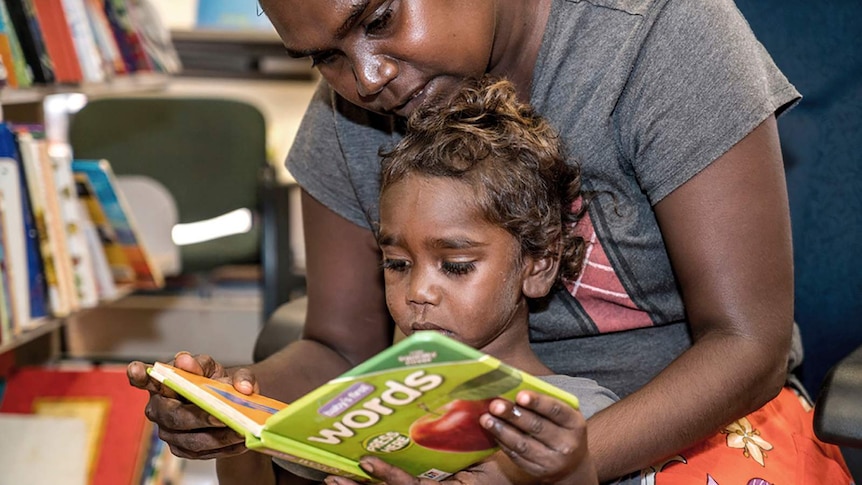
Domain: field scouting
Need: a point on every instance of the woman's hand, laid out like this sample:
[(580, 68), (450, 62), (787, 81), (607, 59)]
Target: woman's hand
[(190, 431)]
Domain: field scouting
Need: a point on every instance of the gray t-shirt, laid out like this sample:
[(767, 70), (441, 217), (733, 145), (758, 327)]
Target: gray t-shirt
[(645, 94)]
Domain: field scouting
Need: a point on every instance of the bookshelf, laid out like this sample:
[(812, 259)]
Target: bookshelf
[(55, 53), (44, 341)]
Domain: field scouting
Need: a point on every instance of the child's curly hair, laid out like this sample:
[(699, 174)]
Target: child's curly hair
[(510, 156)]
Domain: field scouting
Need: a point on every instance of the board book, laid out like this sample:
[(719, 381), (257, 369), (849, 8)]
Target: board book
[(415, 405)]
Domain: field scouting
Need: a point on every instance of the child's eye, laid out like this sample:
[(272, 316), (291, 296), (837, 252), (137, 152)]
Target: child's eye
[(398, 265), (458, 268), (380, 23)]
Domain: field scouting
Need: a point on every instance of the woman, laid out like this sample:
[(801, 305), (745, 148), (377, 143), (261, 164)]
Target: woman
[(687, 299)]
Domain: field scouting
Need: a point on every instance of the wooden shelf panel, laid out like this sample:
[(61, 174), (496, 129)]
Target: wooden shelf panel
[(120, 85), (46, 325)]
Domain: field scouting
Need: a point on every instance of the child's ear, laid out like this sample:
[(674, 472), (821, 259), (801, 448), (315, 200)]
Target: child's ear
[(540, 275)]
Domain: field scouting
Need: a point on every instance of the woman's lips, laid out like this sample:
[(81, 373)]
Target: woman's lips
[(415, 100)]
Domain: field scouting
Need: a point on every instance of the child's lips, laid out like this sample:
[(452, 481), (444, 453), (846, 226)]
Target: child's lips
[(427, 326)]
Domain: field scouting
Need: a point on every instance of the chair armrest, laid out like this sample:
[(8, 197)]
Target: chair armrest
[(281, 281), (838, 413), (283, 327)]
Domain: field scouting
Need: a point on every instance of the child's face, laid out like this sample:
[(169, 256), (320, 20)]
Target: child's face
[(389, 56), (446, 268)]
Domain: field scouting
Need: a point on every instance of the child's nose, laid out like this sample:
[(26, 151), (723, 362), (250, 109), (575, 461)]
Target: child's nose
[(423, 288)]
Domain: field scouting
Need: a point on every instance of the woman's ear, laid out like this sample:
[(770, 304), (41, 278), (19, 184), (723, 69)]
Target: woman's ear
[(540, 275)]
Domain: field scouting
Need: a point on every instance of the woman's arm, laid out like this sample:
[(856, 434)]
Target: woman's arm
[(727, 232), (346, 323)]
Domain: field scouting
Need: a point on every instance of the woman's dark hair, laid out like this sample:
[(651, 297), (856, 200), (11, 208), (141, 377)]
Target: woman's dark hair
[(509, 155)]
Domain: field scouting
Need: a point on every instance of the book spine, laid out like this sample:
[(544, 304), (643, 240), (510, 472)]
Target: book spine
[(90, 58), (33, 174), (35, 287), (23, 16), (58, 40), (23, 73), (14, 241)]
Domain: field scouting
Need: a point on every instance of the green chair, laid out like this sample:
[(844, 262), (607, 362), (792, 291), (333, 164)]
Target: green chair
[(211, 155)]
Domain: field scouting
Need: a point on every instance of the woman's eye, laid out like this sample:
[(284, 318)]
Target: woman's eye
[(453, 268), (322, 58), (380, 23), (398, 265)]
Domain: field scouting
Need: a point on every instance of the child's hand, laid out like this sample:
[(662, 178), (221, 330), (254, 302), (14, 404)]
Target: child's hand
[(543, 436)]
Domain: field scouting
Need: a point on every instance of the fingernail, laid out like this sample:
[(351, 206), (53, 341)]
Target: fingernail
[(181, 352), (487, 422), (366, 466), (246, 387)]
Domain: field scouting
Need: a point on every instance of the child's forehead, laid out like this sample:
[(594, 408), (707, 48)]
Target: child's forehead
[(424, 200)]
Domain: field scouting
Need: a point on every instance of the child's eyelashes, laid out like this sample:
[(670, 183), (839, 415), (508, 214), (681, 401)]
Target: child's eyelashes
[(446, 267), (458, 268)]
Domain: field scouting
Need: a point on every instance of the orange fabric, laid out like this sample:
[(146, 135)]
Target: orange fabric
[(775, 445)]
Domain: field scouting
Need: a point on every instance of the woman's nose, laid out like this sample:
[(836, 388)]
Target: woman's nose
[(373, 73)]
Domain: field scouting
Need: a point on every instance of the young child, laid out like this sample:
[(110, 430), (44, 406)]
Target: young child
[(463, 256), (478, 221)]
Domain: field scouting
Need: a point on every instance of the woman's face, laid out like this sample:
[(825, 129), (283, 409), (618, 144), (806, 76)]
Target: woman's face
[(449, 270), (389, 56)]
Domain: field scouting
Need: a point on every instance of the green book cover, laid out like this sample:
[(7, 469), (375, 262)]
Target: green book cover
[(415, 405)]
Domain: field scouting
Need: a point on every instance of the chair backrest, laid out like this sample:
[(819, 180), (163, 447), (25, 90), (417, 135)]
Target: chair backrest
[(208, 152)]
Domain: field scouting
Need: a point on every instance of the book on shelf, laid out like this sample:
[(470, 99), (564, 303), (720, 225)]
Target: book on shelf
[(8, 47), (58, 40), (28, 276), (104, 36), (101, 178), (118, 432), (83, 270), (9, 322), (416, 405), (22, 13), (14, 244), (118, 263), (127, 36), (57, 263), (93, 66)]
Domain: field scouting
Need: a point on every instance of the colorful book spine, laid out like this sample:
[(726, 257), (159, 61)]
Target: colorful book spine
[(23, 16), (58, 291), (90, 58), (104, 36), (36, 287), (58, 40), (23, 73)]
